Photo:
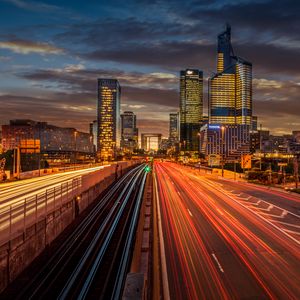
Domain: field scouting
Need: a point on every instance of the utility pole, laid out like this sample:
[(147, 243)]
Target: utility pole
[(260, 145)]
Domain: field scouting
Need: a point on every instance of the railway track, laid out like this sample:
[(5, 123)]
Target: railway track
[(93, 261)]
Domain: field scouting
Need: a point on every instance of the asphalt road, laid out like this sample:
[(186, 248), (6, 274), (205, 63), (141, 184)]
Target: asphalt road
[(13, 192), (219, 246)]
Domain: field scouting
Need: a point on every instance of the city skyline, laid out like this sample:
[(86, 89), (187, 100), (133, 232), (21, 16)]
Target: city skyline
[(49, 65)]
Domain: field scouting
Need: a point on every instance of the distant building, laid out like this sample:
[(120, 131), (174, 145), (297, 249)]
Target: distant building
[(164, 144), (129, 132), (147, 141), (1, 148), (228, 141), (191, 108), (108, 112), (55, 142), (174, 128), (93, 132), (296, 135), (253, 123), (230, 90), (230, 102)]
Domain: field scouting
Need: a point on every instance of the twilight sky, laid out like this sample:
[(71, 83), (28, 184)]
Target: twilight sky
[(52, 52)]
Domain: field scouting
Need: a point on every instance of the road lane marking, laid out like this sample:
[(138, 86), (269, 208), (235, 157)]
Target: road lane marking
[(218, 263), (291, 231), (190, 212), (288, 224), (248, 198)]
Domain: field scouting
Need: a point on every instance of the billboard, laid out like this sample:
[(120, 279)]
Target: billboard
[(246, 161), (214, 160)]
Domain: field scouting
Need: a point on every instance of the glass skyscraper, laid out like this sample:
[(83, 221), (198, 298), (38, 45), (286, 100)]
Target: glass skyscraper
[(129, 132), (174, 128), (191, 108), (230, 90), (108, 117)]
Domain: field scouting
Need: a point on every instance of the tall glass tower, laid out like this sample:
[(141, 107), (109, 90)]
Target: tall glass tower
[(129, 132), (108, 117), (230, 89), (174, 128), (191, 108)]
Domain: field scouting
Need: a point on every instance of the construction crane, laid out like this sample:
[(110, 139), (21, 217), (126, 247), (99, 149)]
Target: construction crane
[(2, 171)]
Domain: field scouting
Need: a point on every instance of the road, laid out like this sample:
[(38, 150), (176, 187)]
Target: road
[(219, 247), (12, 192)]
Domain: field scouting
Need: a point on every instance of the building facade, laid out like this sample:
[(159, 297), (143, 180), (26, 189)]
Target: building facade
[(230, 89), (55, 142), (108, 117), (227, 141), (230, 103), (191, 108), (174, 128), (129, 132), (93, 132)]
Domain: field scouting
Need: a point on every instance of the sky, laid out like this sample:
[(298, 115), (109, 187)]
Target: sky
[(52, 52)]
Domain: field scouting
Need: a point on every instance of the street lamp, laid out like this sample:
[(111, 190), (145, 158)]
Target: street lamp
[(75, 154), (222, 143)]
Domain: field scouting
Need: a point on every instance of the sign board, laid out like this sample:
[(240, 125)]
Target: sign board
[(30, 146), (282, 164), (246, 161), (214, 160)]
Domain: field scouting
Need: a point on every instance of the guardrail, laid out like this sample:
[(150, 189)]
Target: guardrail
[(15, 218)]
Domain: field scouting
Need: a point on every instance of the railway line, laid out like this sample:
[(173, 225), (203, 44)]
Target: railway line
[(93, 260)]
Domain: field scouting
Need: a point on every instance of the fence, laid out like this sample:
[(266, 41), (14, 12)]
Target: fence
[(15, 218)]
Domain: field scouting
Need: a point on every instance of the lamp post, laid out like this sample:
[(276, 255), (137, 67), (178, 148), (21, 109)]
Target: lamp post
[(75, 154), (222, 131)]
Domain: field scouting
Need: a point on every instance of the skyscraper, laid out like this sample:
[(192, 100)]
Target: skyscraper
[(230, 104), (174, 128), (108, 117), (230, 90), (191, 108), (129, 132)]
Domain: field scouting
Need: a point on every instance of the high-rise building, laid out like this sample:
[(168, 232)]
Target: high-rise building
[(93, 132), (174, 128), (108, 113), (230, 90), (129, 132), (191, 108)]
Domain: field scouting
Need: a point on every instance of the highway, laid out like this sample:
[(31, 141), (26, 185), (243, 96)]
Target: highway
[(12, 192), (223, 240)]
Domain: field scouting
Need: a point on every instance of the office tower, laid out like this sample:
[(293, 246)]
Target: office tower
[(174, 128), (191, 108), (129, 132), (230, 90), (93, 132), (108, 113)]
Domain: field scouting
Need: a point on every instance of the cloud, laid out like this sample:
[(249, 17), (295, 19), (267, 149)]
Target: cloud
[(26, 47), (33, 5)]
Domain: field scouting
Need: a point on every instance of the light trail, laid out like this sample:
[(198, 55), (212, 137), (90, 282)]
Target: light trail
[(11, 193), (257, 259)]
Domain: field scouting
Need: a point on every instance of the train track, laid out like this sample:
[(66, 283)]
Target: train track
[(93, 261)]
